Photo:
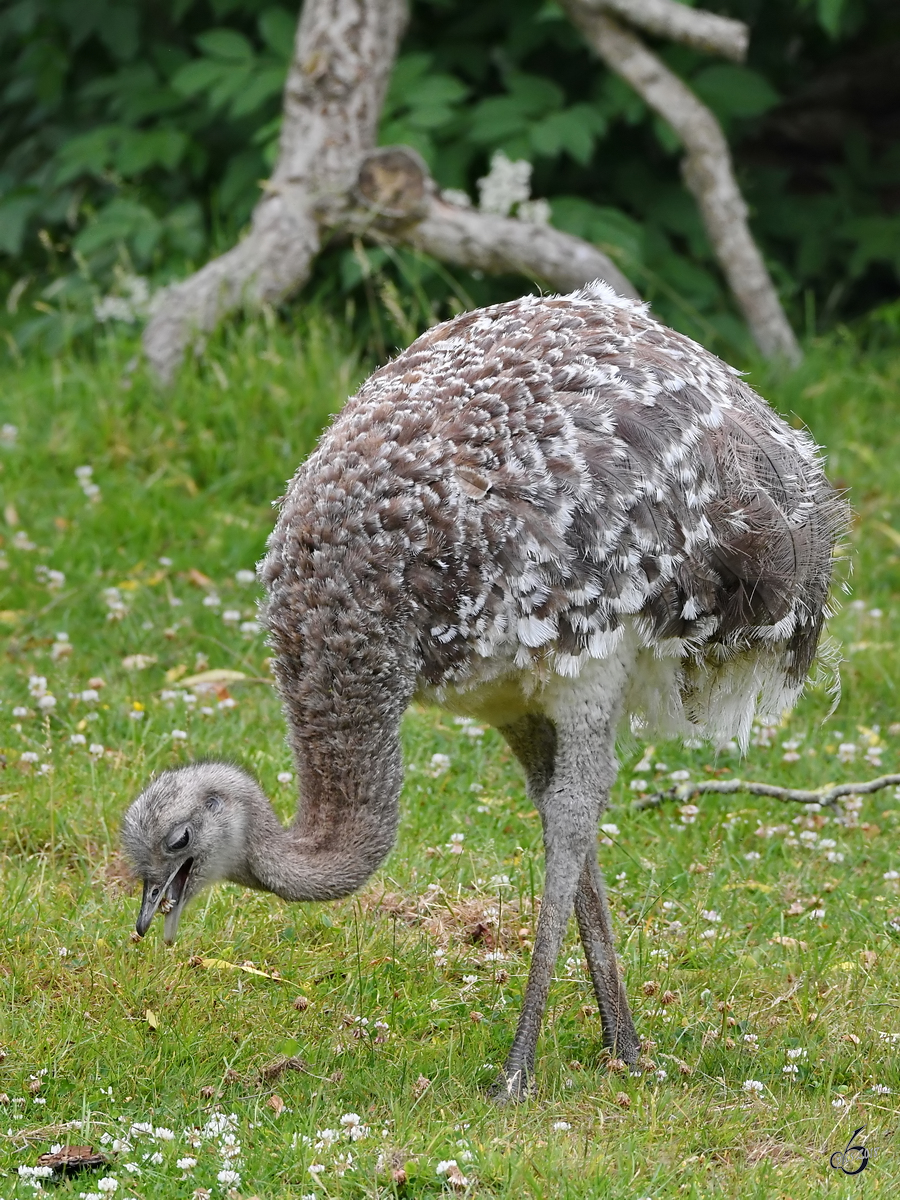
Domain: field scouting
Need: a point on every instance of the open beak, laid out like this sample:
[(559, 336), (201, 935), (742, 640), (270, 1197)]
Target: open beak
[(170, 899)]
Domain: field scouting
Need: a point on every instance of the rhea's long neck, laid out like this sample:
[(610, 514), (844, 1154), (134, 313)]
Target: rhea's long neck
[(346, 822)]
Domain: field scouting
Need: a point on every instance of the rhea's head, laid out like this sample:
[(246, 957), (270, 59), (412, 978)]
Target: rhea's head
[(185, 831)]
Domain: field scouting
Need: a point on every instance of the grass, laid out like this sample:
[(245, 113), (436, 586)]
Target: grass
[(797, 971)]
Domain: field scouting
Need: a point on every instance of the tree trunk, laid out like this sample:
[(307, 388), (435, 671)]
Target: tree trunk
[(343, 57)]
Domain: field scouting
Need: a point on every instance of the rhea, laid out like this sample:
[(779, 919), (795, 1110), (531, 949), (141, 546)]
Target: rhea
[(550, 515)]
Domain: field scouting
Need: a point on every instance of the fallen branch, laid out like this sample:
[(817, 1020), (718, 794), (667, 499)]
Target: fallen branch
[(707, 172), (690, 26), (827, 797)]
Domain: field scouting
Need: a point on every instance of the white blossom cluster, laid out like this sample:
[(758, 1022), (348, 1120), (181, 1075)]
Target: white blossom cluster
[(507, 186), (134, 300)]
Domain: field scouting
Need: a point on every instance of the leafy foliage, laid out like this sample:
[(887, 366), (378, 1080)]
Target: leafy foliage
[(135, 136)]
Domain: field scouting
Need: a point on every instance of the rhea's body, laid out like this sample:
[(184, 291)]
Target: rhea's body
[(549, 514)]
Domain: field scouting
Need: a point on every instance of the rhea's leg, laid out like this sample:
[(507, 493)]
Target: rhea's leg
[(595, 926), (569, 774)]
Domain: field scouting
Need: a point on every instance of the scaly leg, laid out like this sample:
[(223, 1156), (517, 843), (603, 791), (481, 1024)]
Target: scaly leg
[(570, 766), (595, 926)]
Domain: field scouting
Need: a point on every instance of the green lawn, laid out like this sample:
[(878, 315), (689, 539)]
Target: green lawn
[(775, 931)]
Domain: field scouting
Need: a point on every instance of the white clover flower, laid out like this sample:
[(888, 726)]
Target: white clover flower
[(228, 702), (285, 777), (178, 735), (561, 1126), (796, 1052), (20, 711), (186, 1164), (679, 776), (231, 616), (809, 836), (891, 875), (163, 1135), (95, 750), (610, 829), (29, 756), (444, 1166), (753, 1086), (252, 628), (881, 1089), (839, 1102), (37, 685), (834, 856), (108, 1184), (245, 577), (710, 914), (230, 1177), (639, 785), (211, 601), (8, 435), (440, 762), (22, 541), (790, 1069)]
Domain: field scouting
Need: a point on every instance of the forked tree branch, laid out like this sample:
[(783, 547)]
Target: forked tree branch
[(727, 787), (707, 171), (343, 57), (691, 26)]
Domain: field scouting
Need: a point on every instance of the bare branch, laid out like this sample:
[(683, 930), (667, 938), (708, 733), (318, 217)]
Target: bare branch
[(707, 171), (692, 26), (343, 56), (396, 200), (726, 787), (504, 245)]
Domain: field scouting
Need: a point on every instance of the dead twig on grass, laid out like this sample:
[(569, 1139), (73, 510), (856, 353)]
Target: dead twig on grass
[(827, 797)]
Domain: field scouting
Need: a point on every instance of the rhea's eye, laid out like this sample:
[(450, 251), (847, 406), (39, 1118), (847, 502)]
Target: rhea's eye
[(214, 803), (180, 839)]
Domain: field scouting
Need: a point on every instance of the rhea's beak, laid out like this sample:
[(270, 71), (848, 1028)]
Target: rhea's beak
[(170, 899)]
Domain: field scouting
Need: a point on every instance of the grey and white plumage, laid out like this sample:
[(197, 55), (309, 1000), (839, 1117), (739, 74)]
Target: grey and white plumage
[(547, 514)]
